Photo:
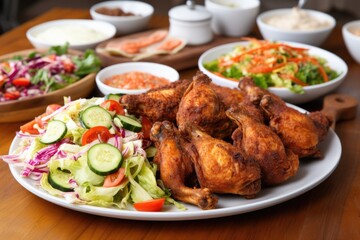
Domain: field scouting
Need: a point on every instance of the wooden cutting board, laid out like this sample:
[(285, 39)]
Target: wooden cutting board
[(186, 58)]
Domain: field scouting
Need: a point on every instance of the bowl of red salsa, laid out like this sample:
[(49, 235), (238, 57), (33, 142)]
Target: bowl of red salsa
[(134, 77)]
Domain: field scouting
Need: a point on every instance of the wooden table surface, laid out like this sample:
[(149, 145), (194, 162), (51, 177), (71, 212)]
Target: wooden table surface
[(329, 211)]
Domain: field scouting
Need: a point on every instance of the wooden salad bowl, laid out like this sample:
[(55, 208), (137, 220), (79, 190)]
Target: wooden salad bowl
[(27, 109)]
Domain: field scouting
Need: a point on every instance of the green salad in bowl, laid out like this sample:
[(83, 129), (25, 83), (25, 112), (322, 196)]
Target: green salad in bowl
[(282, 67)]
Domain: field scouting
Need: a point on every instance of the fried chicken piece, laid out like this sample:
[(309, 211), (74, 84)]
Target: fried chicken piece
[(201, 105), (228, 96), (322, 123), (221, 167), (157, 104), (176, 167), (252, 91), (296, 130), (261, 144)]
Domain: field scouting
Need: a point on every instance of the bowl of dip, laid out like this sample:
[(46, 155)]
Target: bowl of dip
[(351, 35), (134, 77), (80, 34), (296, 25), (127, 16)]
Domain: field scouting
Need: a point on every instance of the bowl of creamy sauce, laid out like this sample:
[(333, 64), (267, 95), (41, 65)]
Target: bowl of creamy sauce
[(297, 19), (296, 25), (79, 34)]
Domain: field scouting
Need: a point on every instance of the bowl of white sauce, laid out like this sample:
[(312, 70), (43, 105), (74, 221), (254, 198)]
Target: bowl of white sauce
[(79, 34), (297, 25)]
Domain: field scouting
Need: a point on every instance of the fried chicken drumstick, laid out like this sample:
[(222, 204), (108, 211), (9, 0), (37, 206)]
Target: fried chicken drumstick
[(297, 130), (261, 144), (221, 167), (201, 105), (176, 167)]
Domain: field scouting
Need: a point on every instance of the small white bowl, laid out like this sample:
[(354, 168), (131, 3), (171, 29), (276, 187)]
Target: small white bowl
[(233, 18), (311, 92), (73, 31), (155, 69), (352, 41), (313, 37), (125, 24)]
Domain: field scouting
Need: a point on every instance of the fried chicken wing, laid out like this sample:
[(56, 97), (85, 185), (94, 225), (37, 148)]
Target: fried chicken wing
[(176, 167), (261, 144), (221, 167), (157, 104), (296, 130), (201, 105)]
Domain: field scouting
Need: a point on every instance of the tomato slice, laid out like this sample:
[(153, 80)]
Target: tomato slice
[(69, 66), (52, 108), (113, 106), (12, 95), (21, 82), (146, 127), (29, 127), (114, 179), (154, 205), (98, 132)]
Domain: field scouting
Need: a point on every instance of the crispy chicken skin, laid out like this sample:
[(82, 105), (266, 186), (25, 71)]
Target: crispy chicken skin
[(176, 167), (228, 96), (157, 104), (261, 144), (322, 123), (296, 130), (201, 105), (252, 91), (221, 167)]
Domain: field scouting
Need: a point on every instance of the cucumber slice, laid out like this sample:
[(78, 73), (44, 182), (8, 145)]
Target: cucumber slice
[(104, 159), (129, 123), (95, 116), (59, 180), (113, 96), (55, 131)]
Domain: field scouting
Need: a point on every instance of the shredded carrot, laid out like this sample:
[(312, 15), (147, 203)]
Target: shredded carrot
[(220, 75)]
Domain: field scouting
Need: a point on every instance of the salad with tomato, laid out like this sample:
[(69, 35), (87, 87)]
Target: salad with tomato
[(37, 74), (273, 64), (90, 151)]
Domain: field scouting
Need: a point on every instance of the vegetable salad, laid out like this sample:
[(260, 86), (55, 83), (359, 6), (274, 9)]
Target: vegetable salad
[(38, 74), (90, 151), (273, 64)]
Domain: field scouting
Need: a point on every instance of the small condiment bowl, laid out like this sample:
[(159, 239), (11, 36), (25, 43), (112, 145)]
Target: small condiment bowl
[(156, 69), (313, 37), (233, 18), (125, 24), (351, 39), (58, 32)]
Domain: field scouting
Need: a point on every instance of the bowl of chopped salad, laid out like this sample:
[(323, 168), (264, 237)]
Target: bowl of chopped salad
[(296, 72), (32, 79)]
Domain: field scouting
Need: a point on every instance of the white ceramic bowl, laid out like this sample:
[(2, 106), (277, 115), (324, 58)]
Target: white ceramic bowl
[(125, 24), (311, 92), (352, 41), (80, 34), (233, 18), (156, 69), (313, 37)]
